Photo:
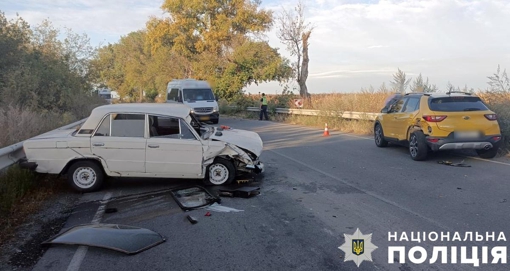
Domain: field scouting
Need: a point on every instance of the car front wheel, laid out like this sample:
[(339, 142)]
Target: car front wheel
[(418, 148), (220, 172), (379, 136), (85, 176)]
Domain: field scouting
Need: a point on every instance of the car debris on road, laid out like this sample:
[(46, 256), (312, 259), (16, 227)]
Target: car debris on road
[(449, 163)]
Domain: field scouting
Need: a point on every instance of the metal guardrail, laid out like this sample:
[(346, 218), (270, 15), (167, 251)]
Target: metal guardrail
[(310, 112), (13, 153)]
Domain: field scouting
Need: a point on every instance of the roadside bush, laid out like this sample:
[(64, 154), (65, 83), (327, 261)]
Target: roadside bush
[(14, 184), (499, 102)]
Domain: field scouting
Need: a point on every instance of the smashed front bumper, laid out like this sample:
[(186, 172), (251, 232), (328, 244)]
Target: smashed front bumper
[(257, 167)]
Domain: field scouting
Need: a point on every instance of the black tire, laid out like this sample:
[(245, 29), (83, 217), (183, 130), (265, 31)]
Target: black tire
[(379, 136), (79, 173), (488, 154), (220, 172), (418, 149)]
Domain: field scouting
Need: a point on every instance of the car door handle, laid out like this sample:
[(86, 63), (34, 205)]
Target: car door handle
[(153, 146), (98, 144)]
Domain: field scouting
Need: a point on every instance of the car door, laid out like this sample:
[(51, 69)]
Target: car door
[(120, 141), (406, 117), (173, 150), (390, 119)]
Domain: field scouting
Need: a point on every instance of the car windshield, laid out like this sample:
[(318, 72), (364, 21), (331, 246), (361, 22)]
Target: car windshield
[(192, 95), (457, 104)]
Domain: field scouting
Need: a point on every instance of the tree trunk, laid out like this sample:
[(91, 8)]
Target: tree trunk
[(303, 91)]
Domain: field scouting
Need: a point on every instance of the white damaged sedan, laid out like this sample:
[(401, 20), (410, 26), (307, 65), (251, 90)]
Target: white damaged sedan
[(144, 140)]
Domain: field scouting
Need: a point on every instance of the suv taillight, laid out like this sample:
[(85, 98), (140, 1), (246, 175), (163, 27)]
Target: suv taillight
[(434, 118), (491, 116)]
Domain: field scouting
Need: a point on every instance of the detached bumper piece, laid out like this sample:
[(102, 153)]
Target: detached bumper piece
[(23, 163)]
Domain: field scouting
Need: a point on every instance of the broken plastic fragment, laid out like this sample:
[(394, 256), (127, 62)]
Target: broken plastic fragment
[(126, 239), (224, 209)]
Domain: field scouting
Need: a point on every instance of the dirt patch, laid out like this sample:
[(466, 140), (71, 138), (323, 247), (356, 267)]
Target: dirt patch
[(34, 220)]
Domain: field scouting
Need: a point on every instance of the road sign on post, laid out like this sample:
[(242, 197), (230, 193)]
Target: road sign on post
[(298, 103)]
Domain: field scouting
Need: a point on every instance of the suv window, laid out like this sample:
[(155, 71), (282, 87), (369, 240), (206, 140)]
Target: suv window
[(456, 103), (172, 95), (128, 125), (397, 107), (412, 104)]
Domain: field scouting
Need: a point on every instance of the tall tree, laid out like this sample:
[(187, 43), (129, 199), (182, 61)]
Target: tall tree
[(211, 36), (294, 32), (420, 85), (499, 81), (400, 82)]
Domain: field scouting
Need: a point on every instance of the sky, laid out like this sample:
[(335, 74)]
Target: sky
[(355, 43)]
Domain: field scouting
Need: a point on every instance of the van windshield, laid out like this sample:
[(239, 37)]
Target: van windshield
[(192, 95)]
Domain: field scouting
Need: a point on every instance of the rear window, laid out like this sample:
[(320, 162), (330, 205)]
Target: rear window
[(456, 103)]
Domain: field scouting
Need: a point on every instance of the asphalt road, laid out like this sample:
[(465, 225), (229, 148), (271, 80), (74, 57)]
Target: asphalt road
[(315, 190)]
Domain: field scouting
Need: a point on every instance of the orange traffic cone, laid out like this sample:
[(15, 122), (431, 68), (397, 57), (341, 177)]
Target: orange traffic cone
[(326, 130)]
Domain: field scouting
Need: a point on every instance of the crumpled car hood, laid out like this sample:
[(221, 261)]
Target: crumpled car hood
[(242, 138)]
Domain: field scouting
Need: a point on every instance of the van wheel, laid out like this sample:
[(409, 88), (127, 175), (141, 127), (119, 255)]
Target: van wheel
[(85, 176), (418, 148), (220, 172)]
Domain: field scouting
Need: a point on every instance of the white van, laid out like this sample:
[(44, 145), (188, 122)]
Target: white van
[(197, 95)]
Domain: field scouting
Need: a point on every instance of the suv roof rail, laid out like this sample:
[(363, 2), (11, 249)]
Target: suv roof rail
[(462, 92), (418, 93)]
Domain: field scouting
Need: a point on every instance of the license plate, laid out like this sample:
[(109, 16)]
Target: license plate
[(205, 118), (467, 135)]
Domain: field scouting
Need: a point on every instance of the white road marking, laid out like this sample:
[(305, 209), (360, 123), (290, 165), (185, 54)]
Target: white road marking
[(363, 190), (369, 138), (80, 253), (486, 160)]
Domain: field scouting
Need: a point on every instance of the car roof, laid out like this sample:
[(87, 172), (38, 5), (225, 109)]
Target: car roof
[(171, 109)]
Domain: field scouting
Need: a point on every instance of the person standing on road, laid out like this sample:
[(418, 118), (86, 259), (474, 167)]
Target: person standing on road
[(263, 107)]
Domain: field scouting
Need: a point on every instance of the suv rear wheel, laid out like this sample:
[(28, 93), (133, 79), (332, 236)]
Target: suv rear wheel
[(418, 148), (488, 154), (379, 136)]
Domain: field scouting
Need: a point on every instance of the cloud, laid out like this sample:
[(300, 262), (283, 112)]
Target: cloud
[(461, 41), (103, 21)]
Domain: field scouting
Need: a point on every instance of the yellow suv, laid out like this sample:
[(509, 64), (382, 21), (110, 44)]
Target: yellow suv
[(438, 121)]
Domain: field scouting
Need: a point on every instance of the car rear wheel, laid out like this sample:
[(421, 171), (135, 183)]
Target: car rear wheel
[(379, 136), (85, 176), (418, 148), (220, 172), (488, 154)]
